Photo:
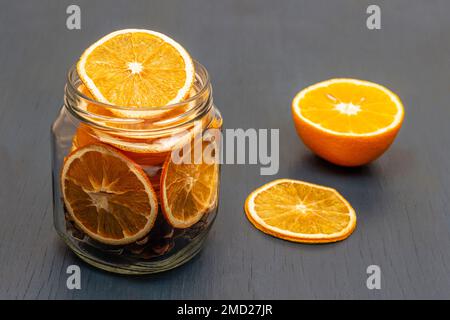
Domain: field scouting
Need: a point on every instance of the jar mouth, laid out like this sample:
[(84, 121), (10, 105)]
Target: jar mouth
[(201, 85), (139, 119)]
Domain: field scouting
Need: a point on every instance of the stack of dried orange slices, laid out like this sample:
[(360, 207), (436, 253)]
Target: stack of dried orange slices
[(106, 192)]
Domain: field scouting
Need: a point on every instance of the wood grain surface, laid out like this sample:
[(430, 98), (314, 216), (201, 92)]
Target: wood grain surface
[(259, 54)]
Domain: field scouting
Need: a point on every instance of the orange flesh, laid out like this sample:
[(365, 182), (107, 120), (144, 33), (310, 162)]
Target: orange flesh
[(188, 190), (373, 109), (300, 208), (156, 84), (105, 196)]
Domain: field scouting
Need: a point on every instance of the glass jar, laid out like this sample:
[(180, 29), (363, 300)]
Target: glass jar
[(149, 139)]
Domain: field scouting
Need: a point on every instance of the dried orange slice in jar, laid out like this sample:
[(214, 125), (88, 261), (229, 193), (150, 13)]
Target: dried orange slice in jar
[(189, 189), (151, 154), (102, 115), (346, 121), (97, 111), (300, 212), (83, 136), (135, 68), (107, 195)]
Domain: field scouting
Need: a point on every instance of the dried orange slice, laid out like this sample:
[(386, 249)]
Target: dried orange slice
[(91, 108), (300, 212), (136, 68), (107, 195), (346, 121), (104, 115), (151, 153), (188, 190), (159, 145), (83, 136)]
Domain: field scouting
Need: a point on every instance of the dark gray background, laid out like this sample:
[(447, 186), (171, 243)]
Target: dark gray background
[(259, 54)]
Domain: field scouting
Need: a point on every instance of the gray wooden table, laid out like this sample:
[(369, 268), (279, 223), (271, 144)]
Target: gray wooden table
[(259, 54)]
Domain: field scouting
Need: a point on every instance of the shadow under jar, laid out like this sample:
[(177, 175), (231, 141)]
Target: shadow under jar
[(150, 137)]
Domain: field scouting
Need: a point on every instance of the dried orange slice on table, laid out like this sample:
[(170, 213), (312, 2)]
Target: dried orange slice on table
[(346, 121), (107, 195), (135, 68), (301, 212), (188, 190)]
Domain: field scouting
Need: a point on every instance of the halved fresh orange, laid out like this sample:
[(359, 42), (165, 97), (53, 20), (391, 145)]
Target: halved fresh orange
[(134, 68), (107, 195), (346, 121), (188, 190), (300, 212)]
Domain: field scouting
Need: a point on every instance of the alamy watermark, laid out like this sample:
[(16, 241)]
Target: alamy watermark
[(74, 279), (374, 279), (232, 146), (373, 21), (73, 21)]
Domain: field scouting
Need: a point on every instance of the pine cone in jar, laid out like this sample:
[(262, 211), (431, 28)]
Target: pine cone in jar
[(158, 242)]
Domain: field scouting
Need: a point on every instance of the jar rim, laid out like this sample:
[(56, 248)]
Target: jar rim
[(200, 74)]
